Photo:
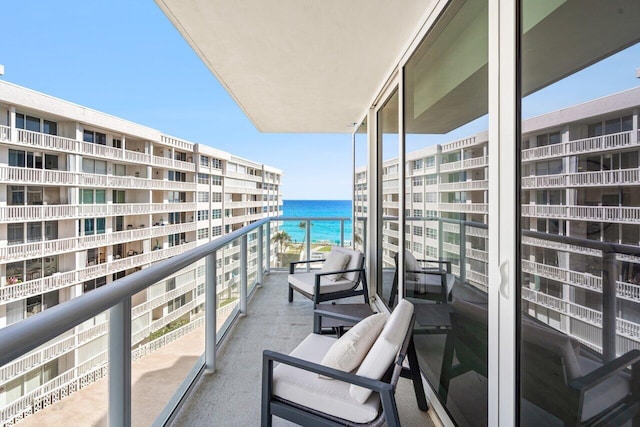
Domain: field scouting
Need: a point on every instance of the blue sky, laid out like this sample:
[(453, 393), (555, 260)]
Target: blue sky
[(126, 59)]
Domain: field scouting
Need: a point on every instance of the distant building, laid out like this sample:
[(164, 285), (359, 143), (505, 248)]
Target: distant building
[(87, 198)]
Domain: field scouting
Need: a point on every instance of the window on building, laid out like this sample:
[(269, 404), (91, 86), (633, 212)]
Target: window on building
[(216, 180), (203, 196), (216, 213), (417, 181), (15, 233), (216, 197), (203, 178), (216, 163), (417, 197), (216, 231), (203, 215), (204, 160)]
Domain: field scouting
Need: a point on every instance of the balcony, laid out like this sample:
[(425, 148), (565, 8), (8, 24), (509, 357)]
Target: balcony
[(72, 244), (582, 146), (27, 176), (52, 212), (617, 214), (69, 145), (581, 179), (476, 162)]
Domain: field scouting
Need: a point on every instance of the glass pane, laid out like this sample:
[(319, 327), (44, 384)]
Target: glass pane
[(580, 308), (446, 233), (389, 141)]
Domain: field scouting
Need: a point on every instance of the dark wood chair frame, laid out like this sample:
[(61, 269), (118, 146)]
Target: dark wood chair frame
[(317, 297), (273, 405)]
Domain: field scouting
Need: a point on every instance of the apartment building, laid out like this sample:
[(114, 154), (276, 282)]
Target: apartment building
[(580, 179), (87, 198)]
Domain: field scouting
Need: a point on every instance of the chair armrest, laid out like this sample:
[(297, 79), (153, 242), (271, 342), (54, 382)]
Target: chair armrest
[(293, 264), (606, 371), (316, 287), (336, 374), (437, 261)]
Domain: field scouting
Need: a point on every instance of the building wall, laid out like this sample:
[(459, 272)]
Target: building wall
[(87, 198)]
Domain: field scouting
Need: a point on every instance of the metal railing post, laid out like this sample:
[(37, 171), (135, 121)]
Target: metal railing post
[(268, 225), (463, 253), (260, 266), (342, 232), (120, 364), (308, 248), (210, 313), (609, 276), (243, 274)]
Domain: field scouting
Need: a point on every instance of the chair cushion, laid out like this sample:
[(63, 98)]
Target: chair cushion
[(306, 283), (306, 389), (350, 350), (336, 261), (355, 261), (411, 264), (385, 349)]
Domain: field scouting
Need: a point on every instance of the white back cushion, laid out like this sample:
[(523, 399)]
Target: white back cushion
[(336, 261), (349, 350), (385, 349)]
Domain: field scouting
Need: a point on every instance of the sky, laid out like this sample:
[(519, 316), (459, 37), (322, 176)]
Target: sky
[(125, 58)]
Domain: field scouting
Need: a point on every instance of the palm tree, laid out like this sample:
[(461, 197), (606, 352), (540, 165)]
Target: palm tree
[(282, 238)]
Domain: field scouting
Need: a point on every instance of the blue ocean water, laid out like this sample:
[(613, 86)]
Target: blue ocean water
[(321, 231)]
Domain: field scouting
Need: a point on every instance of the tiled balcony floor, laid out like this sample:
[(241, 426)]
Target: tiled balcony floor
[(231, 396)]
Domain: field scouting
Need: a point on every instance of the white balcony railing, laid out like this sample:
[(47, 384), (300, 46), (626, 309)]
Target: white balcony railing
[(464, 186), (28, 176), (581, 179), (618, 214), (61, 280), (72, 244), (481, 208), (475, 162), (59, 143), (53, 212), (5, 133), (582, 280), (579, 146)]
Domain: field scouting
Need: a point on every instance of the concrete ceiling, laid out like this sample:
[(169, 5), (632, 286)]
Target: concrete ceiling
[(299, 65), (315, 66)]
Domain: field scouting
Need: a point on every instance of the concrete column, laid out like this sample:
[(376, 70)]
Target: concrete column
[(12, 124)]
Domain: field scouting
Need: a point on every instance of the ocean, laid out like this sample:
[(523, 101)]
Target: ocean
[(321, 231)]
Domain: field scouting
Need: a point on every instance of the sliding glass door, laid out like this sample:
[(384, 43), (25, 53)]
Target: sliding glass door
[(580, 211)]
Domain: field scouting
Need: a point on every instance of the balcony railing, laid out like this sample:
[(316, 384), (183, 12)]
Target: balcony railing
[(28, 176), (59, 143), (581, 179), (617, 214), (580, 146), (52, 212)]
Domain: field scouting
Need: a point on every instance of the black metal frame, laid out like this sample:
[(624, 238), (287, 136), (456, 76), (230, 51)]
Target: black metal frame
[(272, 405), (318, 297), (444, 297)]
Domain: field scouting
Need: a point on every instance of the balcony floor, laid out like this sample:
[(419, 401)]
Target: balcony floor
[(231, 396)]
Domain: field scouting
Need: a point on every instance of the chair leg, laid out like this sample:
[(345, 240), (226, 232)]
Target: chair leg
[(447, 366), (266, 418), (416, 377), (290, 294)]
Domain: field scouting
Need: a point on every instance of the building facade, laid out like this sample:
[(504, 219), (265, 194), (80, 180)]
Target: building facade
[(580, 179), (87, 198)]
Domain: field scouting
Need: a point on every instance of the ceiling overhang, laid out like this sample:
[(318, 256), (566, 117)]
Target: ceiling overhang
[(299, 65)]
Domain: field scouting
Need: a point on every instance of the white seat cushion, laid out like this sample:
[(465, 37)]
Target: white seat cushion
[(385, 349), (349, 350), (306, 283), (336, 261), (307, 389)]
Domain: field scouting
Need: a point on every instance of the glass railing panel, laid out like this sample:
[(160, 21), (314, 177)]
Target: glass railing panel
[(292, 241), (167, 341), (228, 284), (62, 382)]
